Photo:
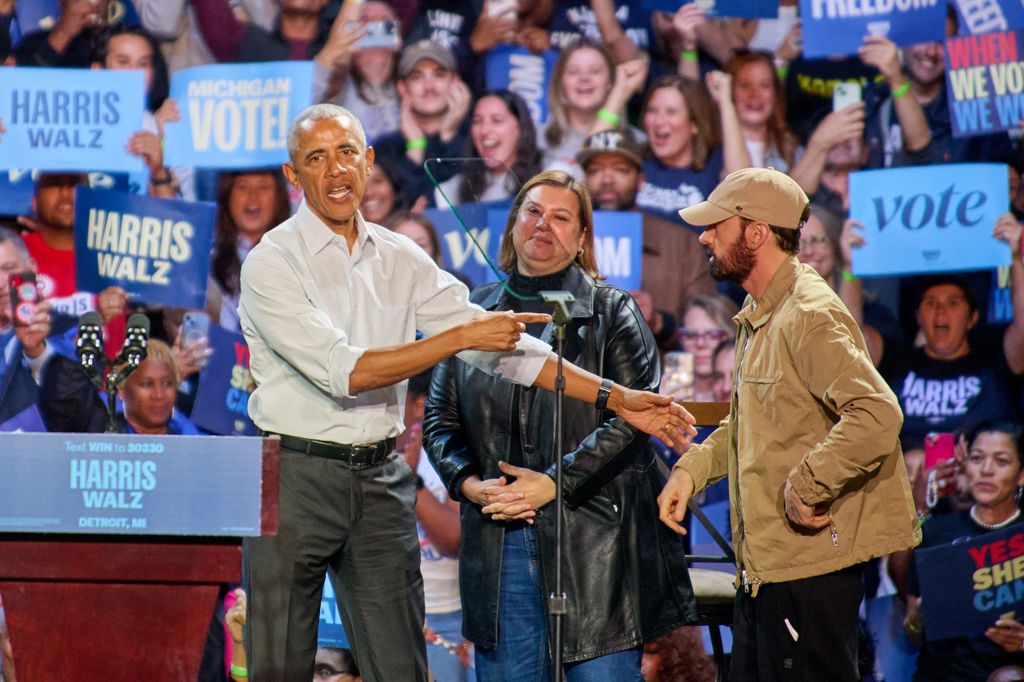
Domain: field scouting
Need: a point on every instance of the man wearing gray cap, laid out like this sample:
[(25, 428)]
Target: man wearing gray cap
[(811, 444), (434, 102)]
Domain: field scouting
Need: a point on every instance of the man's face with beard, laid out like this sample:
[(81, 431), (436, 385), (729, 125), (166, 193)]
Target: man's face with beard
[(730, 256)]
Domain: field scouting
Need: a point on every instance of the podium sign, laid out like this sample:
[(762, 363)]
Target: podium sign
[(115, 484)]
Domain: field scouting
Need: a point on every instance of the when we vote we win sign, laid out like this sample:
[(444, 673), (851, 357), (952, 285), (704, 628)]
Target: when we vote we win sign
[(985, 82)]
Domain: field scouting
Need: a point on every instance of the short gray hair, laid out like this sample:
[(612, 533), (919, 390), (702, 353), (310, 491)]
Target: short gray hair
[(9, 235), (319, 112)]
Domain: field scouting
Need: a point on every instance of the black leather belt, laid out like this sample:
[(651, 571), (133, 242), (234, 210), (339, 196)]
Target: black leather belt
[(356, 454)]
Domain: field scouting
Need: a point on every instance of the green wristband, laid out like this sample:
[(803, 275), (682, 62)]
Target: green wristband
[(902, 90), (782, 72), (848, 276), (239, 671), (416, 143), (688, 55), (609, 117)]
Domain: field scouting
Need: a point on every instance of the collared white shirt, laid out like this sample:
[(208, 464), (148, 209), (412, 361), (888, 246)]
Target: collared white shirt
[(309, 309)]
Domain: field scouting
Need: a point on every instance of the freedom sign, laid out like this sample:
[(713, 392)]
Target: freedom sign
[(967, 586), (838, 27), (236, 116), (925, 219), (222, 399), (741, 9), (985, 82), (70, 119), (518, 70), (158, 250)]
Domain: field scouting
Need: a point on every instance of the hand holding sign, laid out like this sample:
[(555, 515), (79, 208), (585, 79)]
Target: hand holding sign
[(1009, 230), (881, 53), (1008, 634), (685, 23)]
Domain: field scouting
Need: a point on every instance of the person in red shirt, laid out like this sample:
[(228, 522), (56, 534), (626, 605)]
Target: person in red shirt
[(51, 243)]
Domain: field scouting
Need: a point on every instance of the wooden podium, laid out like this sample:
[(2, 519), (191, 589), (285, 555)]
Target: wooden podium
[(133, 601)]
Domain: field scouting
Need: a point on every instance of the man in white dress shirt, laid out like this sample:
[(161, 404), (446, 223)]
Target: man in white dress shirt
[(330, 306)]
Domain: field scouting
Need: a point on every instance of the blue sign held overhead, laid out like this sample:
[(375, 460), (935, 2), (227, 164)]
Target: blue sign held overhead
[(740, 9), (838, 27), (58, 120), (927, 219), (985, 82), (158, 250), (988, 16), (518, 70), (225, 383), (236, 116)]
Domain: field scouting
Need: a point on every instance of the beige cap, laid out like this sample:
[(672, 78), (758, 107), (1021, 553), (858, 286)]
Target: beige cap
[(755, 193)]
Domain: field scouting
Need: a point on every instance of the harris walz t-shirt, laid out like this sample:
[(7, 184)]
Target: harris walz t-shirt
[(665, 189), (948, 395)]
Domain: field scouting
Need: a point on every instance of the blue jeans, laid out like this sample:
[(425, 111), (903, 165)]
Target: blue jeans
[(522, 651)]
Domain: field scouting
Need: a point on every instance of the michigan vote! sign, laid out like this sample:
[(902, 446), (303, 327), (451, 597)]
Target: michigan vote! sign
[(985, 82), (236, 116), (70, 119)]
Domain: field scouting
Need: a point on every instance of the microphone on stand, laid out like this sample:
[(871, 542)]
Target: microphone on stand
[(133, 352), (89, 347)]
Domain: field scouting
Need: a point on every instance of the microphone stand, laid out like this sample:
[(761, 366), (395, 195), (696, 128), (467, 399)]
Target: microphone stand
[(557, 602)]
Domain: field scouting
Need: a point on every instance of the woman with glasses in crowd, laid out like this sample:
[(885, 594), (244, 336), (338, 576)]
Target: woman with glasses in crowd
[(707, 322)]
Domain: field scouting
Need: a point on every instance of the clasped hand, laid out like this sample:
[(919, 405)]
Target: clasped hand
[(519, 500)]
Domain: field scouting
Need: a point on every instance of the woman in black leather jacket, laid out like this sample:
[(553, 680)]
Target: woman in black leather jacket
[(624, 573)]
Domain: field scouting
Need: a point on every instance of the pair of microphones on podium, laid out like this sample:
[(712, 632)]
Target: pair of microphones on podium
[(89, 349)]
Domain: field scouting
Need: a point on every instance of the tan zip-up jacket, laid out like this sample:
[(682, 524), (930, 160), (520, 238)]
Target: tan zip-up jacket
[(809, 407)]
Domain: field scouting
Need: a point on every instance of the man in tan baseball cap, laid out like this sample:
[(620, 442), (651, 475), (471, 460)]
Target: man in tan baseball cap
[(811, 447)]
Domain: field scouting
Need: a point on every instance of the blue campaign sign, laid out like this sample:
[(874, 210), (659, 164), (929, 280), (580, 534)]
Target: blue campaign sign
[(39, 15), (69, 119), (237, 115), (927, 219), (17, 185), (985, 82), (838, 27), (520, 71), (331, 632), (989, 15), (225, 383), (968, 585), (158, 250), (742, 9), (618, 245), (130, 484), (465, 252)]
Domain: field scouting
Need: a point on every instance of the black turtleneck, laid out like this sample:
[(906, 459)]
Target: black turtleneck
[(529, 287)]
